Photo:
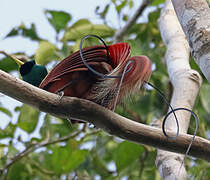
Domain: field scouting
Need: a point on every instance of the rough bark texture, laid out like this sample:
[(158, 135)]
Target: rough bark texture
[(70, 107), (186, 83), (194, 17)]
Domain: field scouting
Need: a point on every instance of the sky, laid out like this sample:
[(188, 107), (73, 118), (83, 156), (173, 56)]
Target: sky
[(14, 12)]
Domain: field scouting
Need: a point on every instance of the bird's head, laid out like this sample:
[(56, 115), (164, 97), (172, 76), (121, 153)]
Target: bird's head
[(31, 72)]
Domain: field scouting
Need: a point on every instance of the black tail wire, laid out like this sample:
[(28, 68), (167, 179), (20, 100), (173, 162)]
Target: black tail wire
[(126, 70)]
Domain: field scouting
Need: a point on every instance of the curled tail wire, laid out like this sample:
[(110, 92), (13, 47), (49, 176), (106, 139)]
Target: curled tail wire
[(126, 70), (172, 111), (195, 132), (177, 122)]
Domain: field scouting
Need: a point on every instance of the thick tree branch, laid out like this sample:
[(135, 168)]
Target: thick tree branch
[(186, 83), (194, 18), (70, 107), (121, 32)]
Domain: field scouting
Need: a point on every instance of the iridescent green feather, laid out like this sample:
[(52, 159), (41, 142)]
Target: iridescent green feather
[(33, 73)]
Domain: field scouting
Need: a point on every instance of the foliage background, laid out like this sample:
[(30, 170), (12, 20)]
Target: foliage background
[(62, 151)]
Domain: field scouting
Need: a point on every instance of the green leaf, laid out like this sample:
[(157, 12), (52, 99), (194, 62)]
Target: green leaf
[(61, 128), (125, 17), (126, 153), (6, 111), (65, 159), (28, 118), (98, 164), (8, 131), (84, 27), (104, 12), (130, 4), (60, 158), (8, 65), (44, 129), (58, 19), (2, 146), (12, 151), (80, 23), (77, 157), (17, 171), (22, 30), (45, 53), (30, 32), (17, 108), (13, 32), (157, 2), (205, 96), (121, 6)]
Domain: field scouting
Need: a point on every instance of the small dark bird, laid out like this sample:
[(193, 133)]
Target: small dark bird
[(33, 73)]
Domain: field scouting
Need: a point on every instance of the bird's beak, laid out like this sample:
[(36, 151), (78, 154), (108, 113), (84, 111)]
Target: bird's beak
[(19, 62)]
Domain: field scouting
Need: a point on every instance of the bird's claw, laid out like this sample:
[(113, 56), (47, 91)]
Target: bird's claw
[(69, 121), (60, 94)]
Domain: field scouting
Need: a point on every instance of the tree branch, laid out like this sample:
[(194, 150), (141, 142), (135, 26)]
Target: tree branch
[(41, 169), (32, 148), (44, 143), (71, 107), (194, 18), (121, 32)]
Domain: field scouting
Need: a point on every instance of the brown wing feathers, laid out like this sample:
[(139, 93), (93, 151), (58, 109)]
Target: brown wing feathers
[(74, 63)]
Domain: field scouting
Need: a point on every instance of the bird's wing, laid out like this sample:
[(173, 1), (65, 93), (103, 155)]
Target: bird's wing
[(74, 63), (93, 56)]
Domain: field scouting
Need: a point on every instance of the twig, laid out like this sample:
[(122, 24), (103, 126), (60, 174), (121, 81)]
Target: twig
[(121, 32), (44, 143), (71, 107), (142, 160), (37, 146), (89, 134), (41, 169)]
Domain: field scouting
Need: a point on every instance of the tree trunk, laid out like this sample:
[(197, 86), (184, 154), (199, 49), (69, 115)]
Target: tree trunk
[(194, 17), (186, 83)]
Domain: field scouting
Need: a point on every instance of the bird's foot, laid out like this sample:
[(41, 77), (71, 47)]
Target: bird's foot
[(70, 122), (60, 94)]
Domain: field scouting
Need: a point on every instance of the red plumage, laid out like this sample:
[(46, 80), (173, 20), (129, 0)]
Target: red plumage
[(73, 78)]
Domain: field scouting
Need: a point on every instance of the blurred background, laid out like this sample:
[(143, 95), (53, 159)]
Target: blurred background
[(50, 30)]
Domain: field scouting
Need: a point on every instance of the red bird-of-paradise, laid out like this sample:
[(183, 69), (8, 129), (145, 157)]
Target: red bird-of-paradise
[(105, 75), (102, 74), (74, 77)]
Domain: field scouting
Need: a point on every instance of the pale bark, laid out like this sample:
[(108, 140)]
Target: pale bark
[(186, 83), (194, 17)]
